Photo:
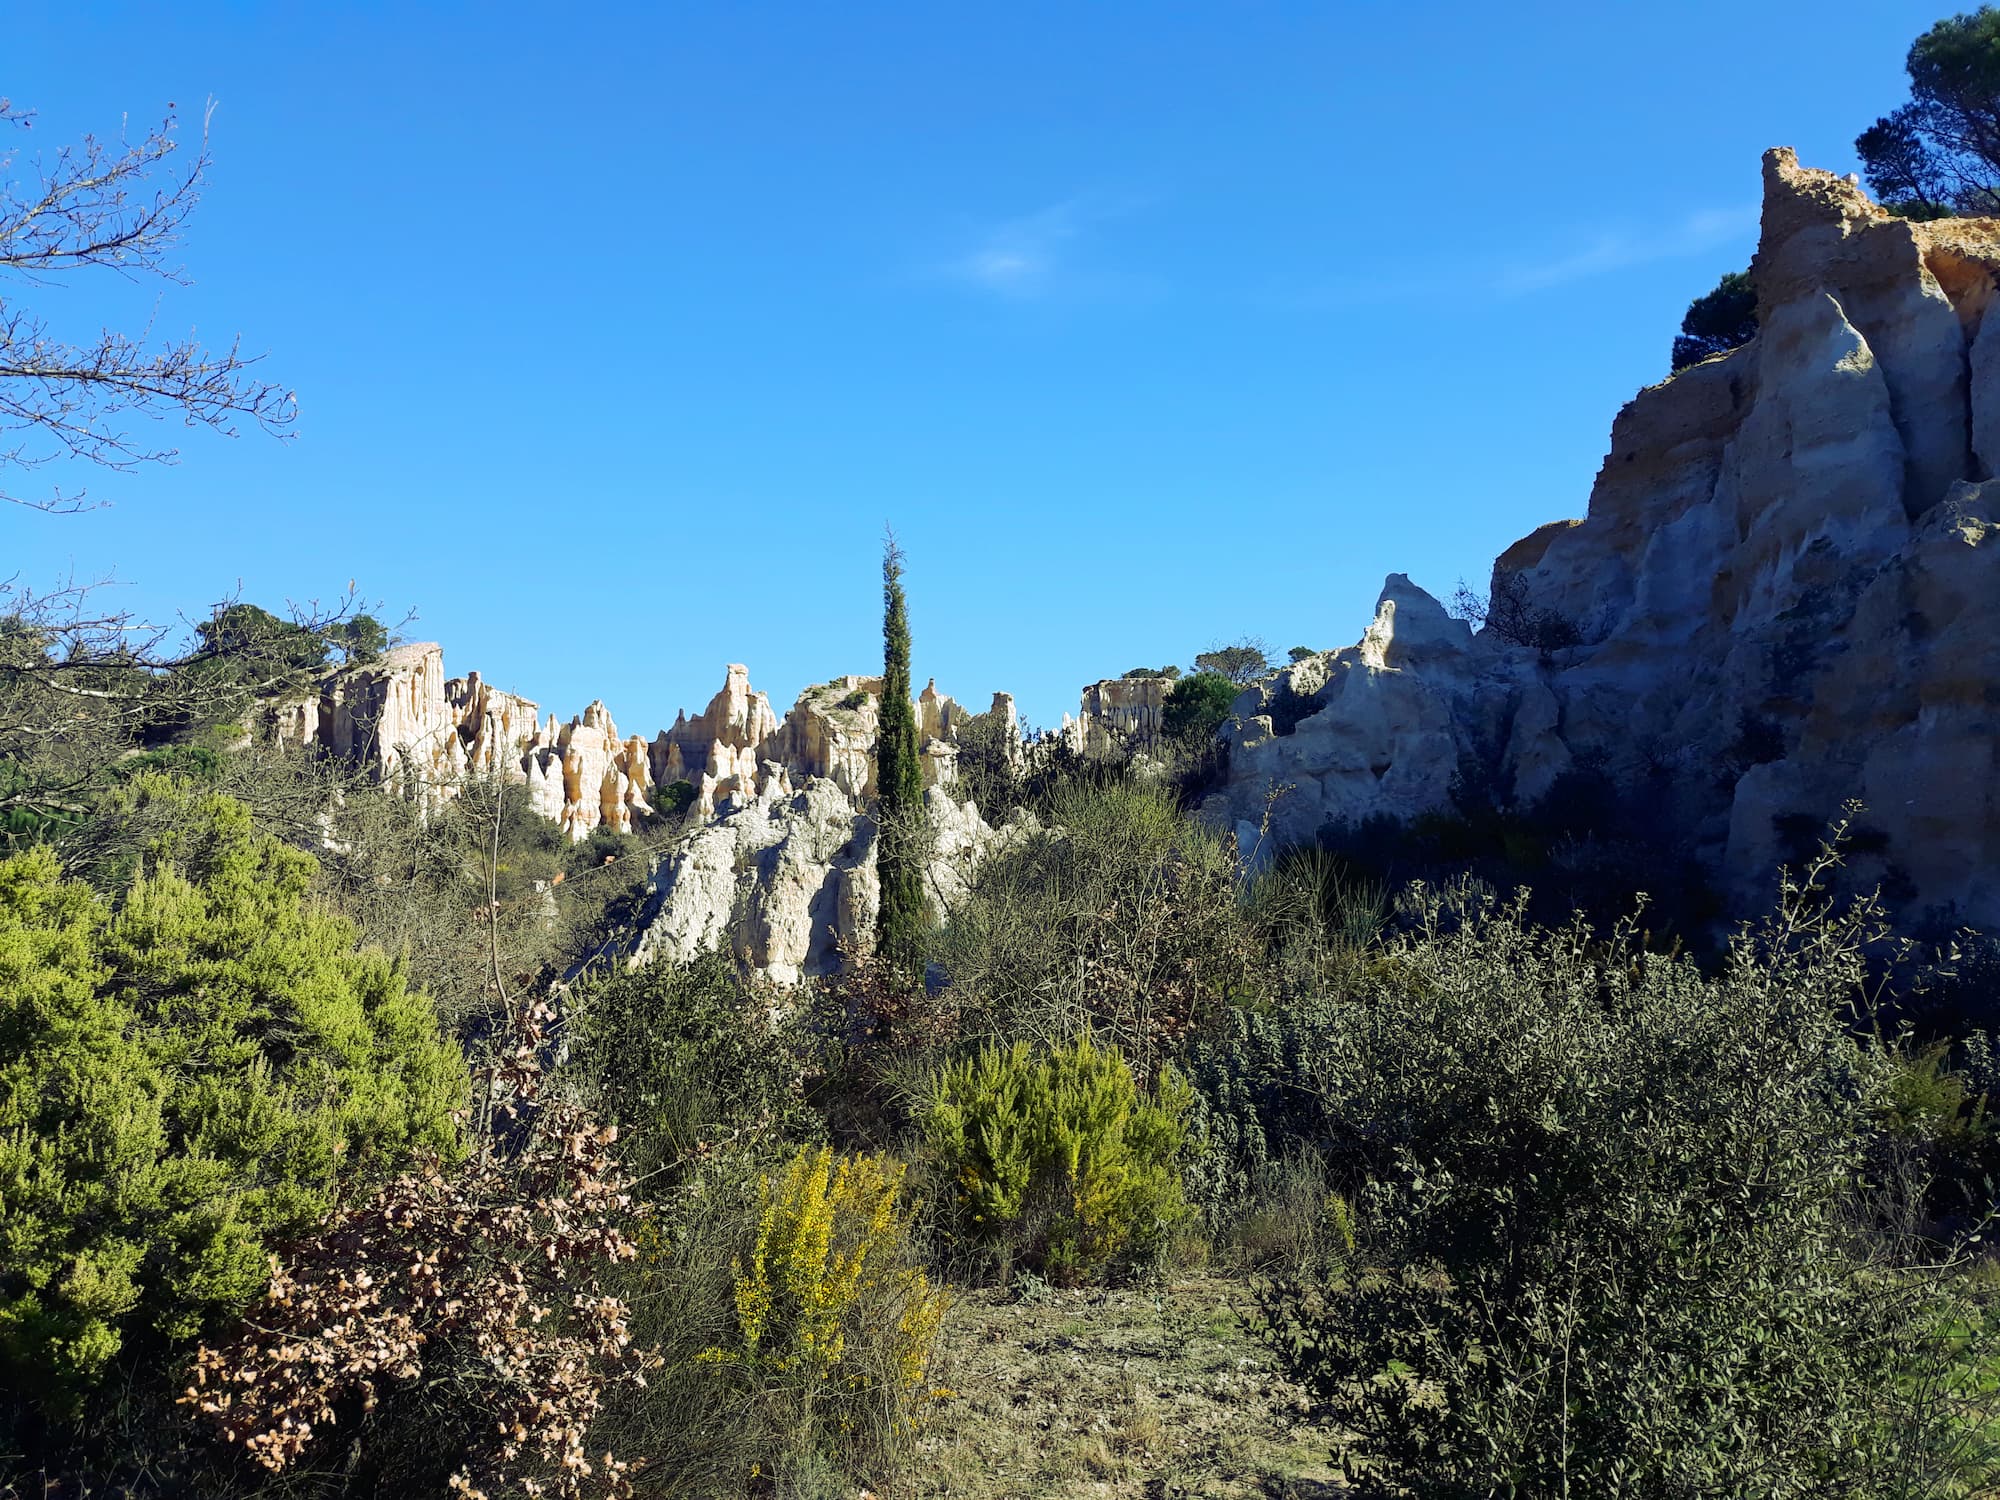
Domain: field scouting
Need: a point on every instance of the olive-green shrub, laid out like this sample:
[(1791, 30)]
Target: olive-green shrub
[(682, 1061), (1056, 1158), (1123, 919), (1611, 1234), (182, 1077)]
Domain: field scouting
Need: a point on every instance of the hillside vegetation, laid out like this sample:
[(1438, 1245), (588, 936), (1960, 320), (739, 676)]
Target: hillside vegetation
[(353, 1172), (343, 1152)]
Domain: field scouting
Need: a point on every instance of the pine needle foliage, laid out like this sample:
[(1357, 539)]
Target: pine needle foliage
[(182, 1078), (899, 780), (1058, 1158)]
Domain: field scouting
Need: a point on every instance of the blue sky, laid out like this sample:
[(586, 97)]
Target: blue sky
[(618, 336)]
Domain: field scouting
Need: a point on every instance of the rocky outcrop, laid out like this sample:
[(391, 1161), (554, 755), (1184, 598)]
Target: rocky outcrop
[(584, 776), (776, 855), (720, 749), (1118, 716), (401, 720), (492, 725), (785, 879), (1783, 594), (782, 869)]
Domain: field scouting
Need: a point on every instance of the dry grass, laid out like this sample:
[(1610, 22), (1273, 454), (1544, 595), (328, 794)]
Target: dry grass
[(1155, 1394)]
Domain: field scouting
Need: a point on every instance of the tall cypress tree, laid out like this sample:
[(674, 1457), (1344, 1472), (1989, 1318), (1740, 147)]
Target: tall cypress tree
[(899, 779)]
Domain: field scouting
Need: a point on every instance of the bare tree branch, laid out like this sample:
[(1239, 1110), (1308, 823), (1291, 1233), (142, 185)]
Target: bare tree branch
[(120, 206)]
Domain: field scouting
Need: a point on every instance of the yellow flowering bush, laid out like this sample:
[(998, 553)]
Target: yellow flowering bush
[(833, 1321)]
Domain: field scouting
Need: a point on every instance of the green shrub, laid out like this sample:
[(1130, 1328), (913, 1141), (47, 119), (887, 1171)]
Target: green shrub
[(1056, 1158), (1934, 1131), (856, 699), (1717, 321), (680, 1059), (1246, 1112), (1607, 1234), (1122, 920), (1196, 706), (673, 799), (181, 1079)]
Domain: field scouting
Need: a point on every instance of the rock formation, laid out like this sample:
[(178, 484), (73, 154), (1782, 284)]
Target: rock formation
[(777, 854), (400, 719), (1783, 594), (721, 748), (583, 775), (785, 879), (1118, 715)]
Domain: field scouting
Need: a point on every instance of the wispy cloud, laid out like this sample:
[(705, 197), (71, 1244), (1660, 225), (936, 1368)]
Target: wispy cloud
[(1034, 254), (1616, 248), (1019, 258)]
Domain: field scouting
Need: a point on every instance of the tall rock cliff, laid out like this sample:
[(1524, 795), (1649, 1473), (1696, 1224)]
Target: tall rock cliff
[(1785, 593)]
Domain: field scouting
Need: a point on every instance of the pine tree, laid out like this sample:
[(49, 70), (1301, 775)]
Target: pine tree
[(899, 779)]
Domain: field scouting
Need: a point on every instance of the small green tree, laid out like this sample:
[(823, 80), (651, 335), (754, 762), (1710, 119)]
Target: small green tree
[(181, 1079), (899, 780), (1717, 321), (1197, 705), (1939, 154), (1240, 661), (361, 639)]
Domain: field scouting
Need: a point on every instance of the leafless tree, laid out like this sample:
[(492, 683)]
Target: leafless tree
[(82, 686), (119, 206), (1511, 615)]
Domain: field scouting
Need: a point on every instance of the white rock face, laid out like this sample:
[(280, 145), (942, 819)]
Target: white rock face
[(1118, 716), (779, 862), (1375, 729), (787, 879), (585, 776), (720, 749), (405, 723), (1784, 592)]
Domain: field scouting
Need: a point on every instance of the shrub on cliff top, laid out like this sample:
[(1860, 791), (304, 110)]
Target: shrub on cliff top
[(1939, 154), (1240, 661), (1196, 707), (1717, 321)]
